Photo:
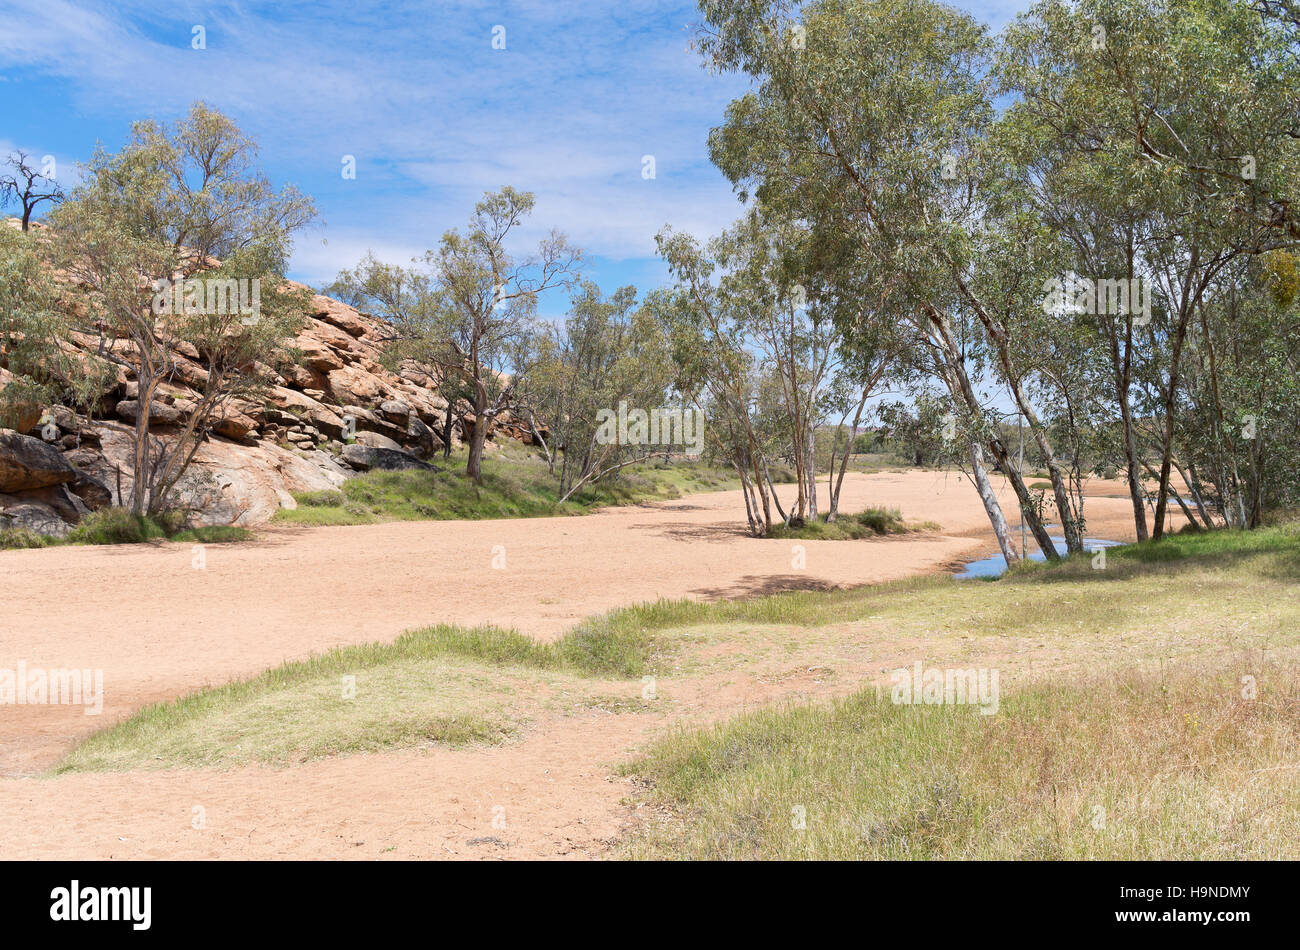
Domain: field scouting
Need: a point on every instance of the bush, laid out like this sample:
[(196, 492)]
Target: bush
[(120, 526), (865, 524), (17, 538), (881, 520), (116, 526)]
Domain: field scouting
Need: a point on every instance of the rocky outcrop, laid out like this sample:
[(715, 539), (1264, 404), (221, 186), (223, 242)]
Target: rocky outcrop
[(334, 411), (27, 464)]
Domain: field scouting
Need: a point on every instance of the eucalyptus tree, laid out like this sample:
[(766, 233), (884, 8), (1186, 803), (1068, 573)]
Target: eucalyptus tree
[(1237, 442), (859, 377), (788, 320), (883, 141), (469, 306), (607, 355), (707, 323), (1159, 140), (869, 343), (176, 202)]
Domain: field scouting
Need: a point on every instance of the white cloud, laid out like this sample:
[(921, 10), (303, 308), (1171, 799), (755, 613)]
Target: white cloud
[(433, 115)]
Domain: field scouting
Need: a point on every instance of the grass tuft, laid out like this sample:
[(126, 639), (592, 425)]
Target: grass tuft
[(871, 523), (14, 539)]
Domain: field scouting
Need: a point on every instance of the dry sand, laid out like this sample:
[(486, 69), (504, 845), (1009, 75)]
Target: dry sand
[(159, 627)]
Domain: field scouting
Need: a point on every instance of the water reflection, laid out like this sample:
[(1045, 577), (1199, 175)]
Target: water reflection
[(996, 565)]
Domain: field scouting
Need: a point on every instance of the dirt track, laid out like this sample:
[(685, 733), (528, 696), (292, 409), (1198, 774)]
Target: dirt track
[(159, 627)]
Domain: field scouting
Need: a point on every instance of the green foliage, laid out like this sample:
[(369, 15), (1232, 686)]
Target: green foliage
[(871, 523), (34, 371), (468, 308), (117, 526), (510, 488), (608, 353), (121, 526), (185, 208)]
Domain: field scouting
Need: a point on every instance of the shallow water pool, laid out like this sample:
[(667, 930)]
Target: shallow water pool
[(996, 565)]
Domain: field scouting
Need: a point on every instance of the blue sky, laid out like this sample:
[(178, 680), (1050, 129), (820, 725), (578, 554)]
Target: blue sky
[(432, 113)]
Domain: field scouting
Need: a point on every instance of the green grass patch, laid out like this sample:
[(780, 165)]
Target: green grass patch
[(1279, 545), (356, 700), (1161, 757), (871, 523), (212, 534), (15, 539), (513, 486), (120, 526), (623, 643)]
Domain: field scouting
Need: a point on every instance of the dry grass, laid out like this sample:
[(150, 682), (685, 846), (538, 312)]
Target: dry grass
[(1123, 731), (1141, 766)]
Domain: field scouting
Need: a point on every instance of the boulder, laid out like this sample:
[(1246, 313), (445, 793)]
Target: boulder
[(23, 416), (376, 440), (304, 378), (364, 458), (160, 414), (316, 355), (190, 373), (93, 469), (233, 425), (425, 438), (340, 315), (352, 385), (395, 410), (27, 463), (94, 494), (66, 505), (28, 514), (362, 418), (349, 347), (306, 408)]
